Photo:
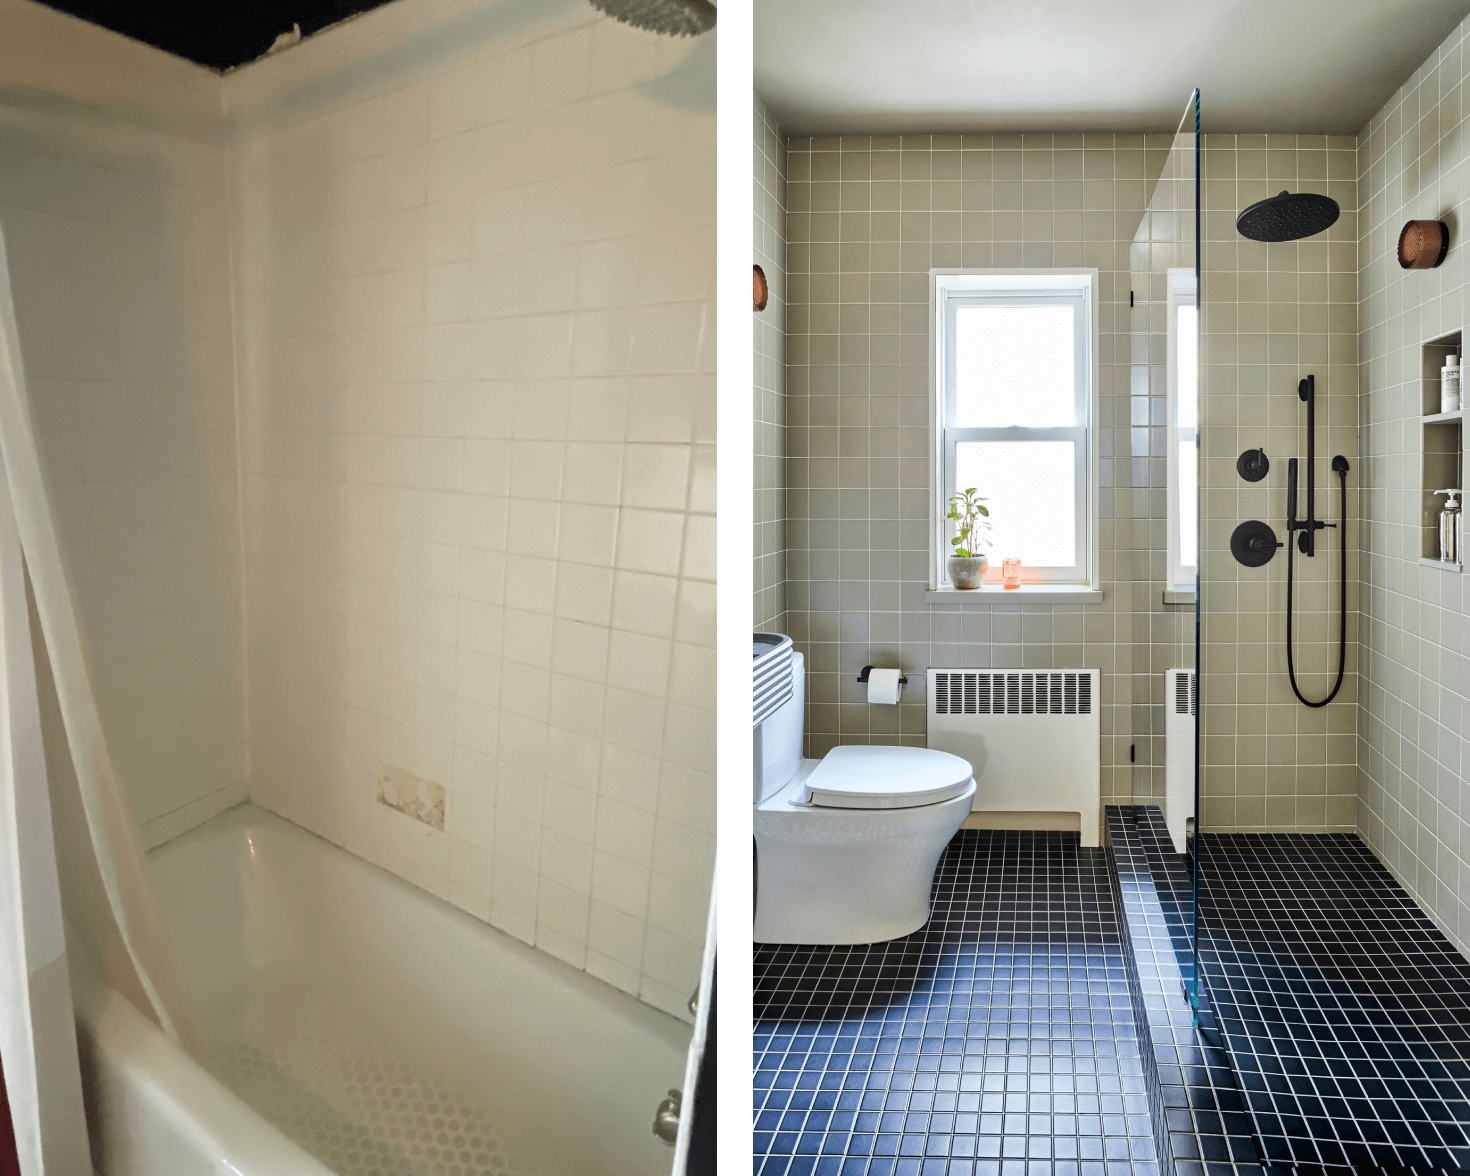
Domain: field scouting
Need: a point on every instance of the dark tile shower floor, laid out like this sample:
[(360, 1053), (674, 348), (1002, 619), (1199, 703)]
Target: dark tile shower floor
[(1345, 1011), (998, 1040)]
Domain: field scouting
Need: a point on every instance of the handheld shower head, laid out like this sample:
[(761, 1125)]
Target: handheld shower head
[(1288, 216), (674, 18)]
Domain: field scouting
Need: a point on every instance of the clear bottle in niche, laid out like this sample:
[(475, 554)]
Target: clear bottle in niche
[(1449, 384), (1449, 527)]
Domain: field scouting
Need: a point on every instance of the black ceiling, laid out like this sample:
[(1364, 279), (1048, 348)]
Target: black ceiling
[(221, 34)]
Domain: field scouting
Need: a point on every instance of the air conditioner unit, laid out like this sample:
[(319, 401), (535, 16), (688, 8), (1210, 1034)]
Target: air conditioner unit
[(1181, 703), (1033, 738)]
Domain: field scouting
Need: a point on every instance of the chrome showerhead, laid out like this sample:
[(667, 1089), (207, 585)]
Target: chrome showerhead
[(674, 18), (1287, 216)]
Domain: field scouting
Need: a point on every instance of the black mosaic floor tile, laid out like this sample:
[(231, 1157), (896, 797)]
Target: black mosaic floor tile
[(998, 1040), (1205, 1128), (1345, 1011)]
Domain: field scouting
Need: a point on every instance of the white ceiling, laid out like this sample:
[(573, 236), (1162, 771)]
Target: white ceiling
[(1305, 66)]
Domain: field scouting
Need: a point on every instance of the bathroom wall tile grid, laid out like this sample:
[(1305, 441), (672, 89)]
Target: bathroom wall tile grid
[(1195, 1097), (1346, 1012), (477, 418), (1412, 752), (1272, 314), (1163, 635), (999, 1038), (867, 218), (119, 265), (770, 375)]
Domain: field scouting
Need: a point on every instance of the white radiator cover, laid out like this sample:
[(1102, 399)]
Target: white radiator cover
[(1181, 700), (1033, 738)]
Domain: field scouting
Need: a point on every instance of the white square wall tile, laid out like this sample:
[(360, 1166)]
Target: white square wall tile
[(620, 884), (579, 650), (615, 934), (570, 811), (656, 477), (639, 663), (588, 534), (562, 910), (676, 908), (630, 777), (650, 541), (621, 976), (647, 604), (566, 948), (692, 668), (667, 958), (530, 583), (572, 757), (634, 722), (527, 638), (585, 594), (699, 547), (576, 705), (593, 472), (465, 448), (472, 820), (624, 830)]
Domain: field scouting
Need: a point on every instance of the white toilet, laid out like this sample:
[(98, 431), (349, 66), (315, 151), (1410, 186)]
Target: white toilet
[(846, 845)]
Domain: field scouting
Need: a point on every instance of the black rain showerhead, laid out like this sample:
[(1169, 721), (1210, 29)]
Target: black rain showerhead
[(1288, 217)]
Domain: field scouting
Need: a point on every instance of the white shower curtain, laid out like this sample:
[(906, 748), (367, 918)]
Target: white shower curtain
[(107, 890)]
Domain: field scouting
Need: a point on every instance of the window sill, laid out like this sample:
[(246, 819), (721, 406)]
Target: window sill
[(988, 596), (1178, 596)]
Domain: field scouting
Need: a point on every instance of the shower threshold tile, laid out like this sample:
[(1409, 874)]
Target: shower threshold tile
[(1206, 1129)]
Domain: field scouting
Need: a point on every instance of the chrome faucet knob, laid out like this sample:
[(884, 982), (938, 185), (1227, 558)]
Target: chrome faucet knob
[(666, 1118)]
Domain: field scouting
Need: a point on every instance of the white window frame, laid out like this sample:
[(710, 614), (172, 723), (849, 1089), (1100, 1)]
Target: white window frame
[(950, 289), (1180, 293)]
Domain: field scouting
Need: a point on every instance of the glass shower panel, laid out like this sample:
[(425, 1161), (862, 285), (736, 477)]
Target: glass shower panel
[(1162, 471)]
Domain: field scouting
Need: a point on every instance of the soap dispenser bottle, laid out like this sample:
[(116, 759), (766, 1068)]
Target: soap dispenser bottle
[(1449, 528)]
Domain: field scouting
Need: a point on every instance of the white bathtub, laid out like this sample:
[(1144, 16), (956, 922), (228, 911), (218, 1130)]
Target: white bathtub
[(355, 1018)]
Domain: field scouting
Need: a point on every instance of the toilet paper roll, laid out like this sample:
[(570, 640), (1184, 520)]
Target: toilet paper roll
[(883, 685)]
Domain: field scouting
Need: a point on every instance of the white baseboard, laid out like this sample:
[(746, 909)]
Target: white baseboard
[(1064, 822)]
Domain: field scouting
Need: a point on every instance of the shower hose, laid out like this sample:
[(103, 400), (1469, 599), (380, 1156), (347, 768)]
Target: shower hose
[(1341, 611)]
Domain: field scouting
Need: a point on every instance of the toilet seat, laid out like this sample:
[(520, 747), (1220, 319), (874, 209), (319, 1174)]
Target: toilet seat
[(880, 777)]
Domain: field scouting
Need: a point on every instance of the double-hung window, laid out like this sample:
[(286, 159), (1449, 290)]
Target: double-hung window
[(1015, 390), (1183, 471)]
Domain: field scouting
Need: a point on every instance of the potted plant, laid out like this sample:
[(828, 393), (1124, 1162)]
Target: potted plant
[(966, 563)]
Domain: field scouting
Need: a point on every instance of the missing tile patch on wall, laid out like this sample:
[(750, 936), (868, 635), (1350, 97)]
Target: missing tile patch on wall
[(423, 800)]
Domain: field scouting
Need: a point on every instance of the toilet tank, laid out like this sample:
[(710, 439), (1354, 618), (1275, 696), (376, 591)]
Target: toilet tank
[(778, 739)]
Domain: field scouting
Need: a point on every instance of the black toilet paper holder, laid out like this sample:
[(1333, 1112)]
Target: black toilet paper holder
[(863, 677)]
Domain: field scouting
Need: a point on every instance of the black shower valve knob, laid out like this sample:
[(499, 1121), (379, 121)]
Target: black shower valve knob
[(1253, 465), (1253, 543)]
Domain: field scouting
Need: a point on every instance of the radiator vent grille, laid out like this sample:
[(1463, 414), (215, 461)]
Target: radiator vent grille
[(1012, 692), (1186, 693)]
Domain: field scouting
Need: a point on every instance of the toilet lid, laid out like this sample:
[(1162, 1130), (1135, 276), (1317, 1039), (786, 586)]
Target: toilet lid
[(885, 777)]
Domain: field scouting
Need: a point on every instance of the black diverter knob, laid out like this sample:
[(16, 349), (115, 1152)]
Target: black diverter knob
[(1253, 465), (1253, 543)]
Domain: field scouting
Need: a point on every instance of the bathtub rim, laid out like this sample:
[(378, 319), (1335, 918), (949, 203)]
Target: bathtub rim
[(239, 818), (130, 1063)]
